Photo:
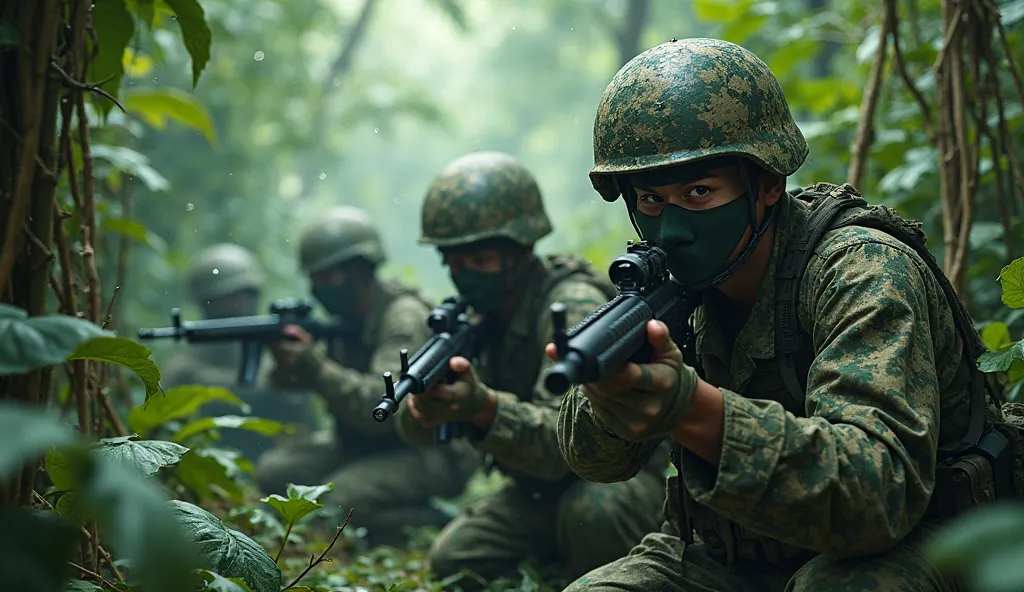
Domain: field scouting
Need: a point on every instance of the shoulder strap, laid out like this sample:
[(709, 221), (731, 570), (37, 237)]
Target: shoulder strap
[(788, 338), (561, 267), (825, 208)]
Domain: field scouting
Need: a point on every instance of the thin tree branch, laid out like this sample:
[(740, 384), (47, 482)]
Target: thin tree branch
[(313, 563)]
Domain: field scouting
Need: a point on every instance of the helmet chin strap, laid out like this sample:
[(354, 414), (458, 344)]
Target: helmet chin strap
[(625, 189)]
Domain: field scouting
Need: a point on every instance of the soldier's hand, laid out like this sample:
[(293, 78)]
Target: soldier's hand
[(287, 351), (460, 401), (644, 401)]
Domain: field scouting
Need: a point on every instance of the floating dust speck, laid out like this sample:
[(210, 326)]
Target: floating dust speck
[(190, 206), (216, 271), (258, 56), (322, 175)]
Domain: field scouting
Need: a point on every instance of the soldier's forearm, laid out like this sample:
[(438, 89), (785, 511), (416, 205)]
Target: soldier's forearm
[(701, 430)]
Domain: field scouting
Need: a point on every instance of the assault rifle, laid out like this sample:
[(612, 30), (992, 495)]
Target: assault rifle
[(253, 332), (615, 333), (453, 336)]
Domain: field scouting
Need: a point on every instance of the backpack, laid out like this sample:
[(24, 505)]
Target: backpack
[(561, 267), (833, 207)]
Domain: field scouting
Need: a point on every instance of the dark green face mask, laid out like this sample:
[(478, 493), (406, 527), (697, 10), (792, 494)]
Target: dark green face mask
[(339, 299), (483, 290), (698, 242)]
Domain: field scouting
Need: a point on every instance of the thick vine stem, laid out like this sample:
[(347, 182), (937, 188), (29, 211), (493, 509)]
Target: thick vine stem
[(869, 104)]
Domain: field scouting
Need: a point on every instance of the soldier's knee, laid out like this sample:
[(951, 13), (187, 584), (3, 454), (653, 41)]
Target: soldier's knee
[(441, 558)]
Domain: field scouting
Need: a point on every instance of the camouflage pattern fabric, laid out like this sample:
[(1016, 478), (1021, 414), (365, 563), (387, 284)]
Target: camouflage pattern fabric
[(483, 195), (663, 563), (860, 457), (351, 386), (548, 513)]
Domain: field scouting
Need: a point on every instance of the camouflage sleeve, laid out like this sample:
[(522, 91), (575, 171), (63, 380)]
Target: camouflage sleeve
[(863, 461), (351, 395), (523, 435), (592, 451)]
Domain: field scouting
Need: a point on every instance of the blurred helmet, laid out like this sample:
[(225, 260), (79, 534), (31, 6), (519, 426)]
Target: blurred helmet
[(220, 270), (480, 196), (340, 234)]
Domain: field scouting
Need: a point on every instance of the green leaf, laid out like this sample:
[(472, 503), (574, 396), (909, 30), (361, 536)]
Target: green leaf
[(134, 163), (996, 336), (985, 546), (114, 28), (209, 476), (227, 551), (301, 501), (176, 403), (132, 514), (143, 10), (27, 433), (156, 106), (218, 583), (718, 11), (145, 457), (194, 32), (1011, 278), (81, 586), (1002, 360), (134, 230), (58, 469), (123, 352), (69, 508), (33, 342), (267, 427), (1012, 13), (35, 548)]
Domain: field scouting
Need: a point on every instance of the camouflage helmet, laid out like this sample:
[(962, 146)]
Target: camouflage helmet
[(689, 99), (483, 195), (220, 270), (340, 234)]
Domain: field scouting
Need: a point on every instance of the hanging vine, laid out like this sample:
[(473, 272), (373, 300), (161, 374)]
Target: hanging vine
[(969, 72)]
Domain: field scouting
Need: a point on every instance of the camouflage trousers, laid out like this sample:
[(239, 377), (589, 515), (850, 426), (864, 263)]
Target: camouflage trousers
[(587, 525), (663, 563), (387, 491)]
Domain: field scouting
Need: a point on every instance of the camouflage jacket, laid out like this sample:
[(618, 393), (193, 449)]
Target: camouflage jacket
[(888, 368), (522, 439), (351, 381)]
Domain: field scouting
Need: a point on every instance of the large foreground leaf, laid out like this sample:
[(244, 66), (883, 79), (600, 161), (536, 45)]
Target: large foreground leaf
[(177, 403), (35, 548), (26, 433), (123, 352), (227, 551), (33, 342), (145, 457)]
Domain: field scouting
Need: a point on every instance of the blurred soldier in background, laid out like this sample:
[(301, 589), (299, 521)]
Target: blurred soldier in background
[(225, 280), (387, 483), (484, 214)]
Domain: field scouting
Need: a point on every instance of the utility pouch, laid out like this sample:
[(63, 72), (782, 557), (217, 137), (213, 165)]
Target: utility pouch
[(978, 476)]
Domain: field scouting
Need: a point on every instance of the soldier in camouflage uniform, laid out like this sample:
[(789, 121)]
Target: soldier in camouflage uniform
[(225, 280), (387, 483), (829, 493), (484, 213)]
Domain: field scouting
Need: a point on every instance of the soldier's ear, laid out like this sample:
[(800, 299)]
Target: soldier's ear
[(771, 187)]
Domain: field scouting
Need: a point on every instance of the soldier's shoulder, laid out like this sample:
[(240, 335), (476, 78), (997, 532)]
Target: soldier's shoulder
[(406, 298), (864, 247), (576, 289)]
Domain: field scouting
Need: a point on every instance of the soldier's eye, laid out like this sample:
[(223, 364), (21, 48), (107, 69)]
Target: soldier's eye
[(698, 191), (651, 199)]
